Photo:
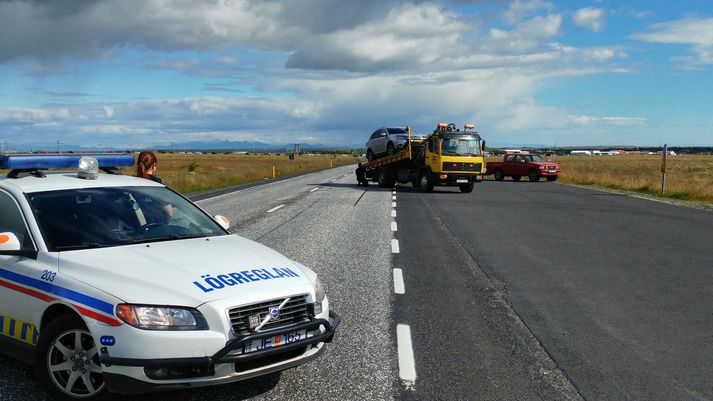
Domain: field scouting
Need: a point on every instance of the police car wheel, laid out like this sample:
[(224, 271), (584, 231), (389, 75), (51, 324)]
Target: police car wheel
[(68, 361)]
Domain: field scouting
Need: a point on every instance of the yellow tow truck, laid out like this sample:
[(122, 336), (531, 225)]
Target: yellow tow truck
[(447, 157)]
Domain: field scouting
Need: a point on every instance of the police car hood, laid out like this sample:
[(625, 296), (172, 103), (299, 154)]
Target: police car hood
[(186, 272)]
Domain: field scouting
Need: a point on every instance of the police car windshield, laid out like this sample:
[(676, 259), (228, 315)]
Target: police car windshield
[(104, 217)]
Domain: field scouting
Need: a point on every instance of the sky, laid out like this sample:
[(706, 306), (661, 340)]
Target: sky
[(143, 73)]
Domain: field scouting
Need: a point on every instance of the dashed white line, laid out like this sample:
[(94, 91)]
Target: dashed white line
[(275, 208), (393, 204), (399, 287), (313, 189), (334, 180), (393, 197), (394, 246), (407, 364), (393, 226), (393, 192), (393, 213)]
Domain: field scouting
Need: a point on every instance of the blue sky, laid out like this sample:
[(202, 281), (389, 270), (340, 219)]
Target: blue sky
[(143, 72)]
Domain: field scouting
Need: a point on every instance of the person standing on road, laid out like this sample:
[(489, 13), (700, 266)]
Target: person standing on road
[(146, 165), (361, 175)]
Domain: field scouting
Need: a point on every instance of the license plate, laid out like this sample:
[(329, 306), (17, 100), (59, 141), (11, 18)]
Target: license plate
[(275, 341), (461, 181)]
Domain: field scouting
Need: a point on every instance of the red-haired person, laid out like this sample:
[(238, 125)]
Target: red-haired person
[(146, 165)]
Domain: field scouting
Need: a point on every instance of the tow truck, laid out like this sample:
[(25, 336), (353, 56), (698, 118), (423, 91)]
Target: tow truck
[(447, 157)]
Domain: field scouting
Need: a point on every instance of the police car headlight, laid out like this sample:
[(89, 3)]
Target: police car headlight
[(147, 317), (319, 292)]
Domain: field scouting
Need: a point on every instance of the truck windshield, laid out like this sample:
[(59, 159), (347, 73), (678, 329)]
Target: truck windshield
[(105, 217), (461, 147), (534, 158)]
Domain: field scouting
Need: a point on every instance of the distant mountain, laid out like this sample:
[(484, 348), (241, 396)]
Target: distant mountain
[(185, 146)]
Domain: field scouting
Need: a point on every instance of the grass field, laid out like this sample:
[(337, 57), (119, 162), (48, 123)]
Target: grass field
[(189, 173), (687, 177)]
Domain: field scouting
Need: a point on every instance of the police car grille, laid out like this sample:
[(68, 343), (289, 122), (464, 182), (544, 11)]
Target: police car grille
[(294, 311)]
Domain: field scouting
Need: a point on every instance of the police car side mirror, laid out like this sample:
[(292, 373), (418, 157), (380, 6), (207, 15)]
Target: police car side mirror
[(222, 220), (10, 246), (9, 243)]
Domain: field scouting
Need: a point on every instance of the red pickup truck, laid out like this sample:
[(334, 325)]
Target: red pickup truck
[(516, 165)]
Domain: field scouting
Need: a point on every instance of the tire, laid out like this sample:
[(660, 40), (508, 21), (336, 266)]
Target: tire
[(499, 176), (389, 148), (425, 181), (516, 177), (552, 178), (369, 155), (386, 181), (533, 176), (467, 188), (66, 341)]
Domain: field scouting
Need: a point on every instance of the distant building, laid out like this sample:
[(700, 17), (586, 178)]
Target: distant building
[(580, 153)]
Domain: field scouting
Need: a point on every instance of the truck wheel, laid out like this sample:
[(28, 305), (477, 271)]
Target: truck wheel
[(516, 177), (385, 181), (552, 178), (67, 361), (390, 148), (499, 175), (426, 184), (369, 155), (467, 187), (533, 176)]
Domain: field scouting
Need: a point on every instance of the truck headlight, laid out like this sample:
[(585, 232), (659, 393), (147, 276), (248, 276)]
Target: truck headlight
[(148, 317)]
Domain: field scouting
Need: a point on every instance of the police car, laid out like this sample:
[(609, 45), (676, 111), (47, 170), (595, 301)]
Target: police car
[(116, 284)]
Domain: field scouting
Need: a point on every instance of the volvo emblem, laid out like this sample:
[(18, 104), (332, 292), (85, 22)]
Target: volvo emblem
[(275, 313)]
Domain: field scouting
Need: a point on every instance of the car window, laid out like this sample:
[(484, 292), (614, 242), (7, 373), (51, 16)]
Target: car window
[(103, 217), (509, 158), (396, 131), (534, 158), (376, 134), (11, 220)]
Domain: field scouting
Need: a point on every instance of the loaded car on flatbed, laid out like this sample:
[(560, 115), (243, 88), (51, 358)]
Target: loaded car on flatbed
[(517, 165), (111, 283), (447, 157)]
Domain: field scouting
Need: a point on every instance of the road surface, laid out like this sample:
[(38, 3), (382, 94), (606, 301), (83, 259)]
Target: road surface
[(516, 291)]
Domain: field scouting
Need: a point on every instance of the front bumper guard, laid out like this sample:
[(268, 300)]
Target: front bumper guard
[(224, 356)]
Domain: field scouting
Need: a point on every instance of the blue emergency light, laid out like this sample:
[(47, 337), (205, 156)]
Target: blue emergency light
[(31, 162)]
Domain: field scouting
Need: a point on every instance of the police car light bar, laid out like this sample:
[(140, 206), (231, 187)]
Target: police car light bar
[(36, 162)]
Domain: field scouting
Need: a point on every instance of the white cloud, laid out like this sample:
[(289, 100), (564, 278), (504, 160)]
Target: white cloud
[(590, 18), (519, 10), (694, 32), (108, 111)]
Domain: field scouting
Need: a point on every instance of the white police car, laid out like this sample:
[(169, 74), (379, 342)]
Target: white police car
[(110, 283)]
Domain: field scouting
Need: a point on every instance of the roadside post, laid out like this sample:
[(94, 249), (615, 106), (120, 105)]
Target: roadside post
[(273, 172), (663, 168)]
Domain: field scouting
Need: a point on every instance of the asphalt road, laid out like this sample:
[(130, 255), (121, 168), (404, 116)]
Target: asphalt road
[(617, 289), (517, 291)]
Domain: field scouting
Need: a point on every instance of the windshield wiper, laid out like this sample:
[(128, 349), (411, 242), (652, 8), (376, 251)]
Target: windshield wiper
[(91, 245), (165, 238)]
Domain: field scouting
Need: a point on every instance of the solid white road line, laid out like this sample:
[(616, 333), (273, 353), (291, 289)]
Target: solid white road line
[(399, 287), (394, 246), (313, 189), (407, 364), (393, 204), (275, 208), (393, 226), (393, 213)]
